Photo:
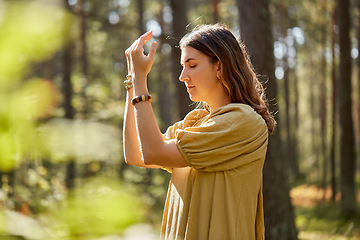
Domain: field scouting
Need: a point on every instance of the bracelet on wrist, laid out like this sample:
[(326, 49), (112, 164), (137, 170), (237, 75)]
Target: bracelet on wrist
[(128, 82), (141, 98)]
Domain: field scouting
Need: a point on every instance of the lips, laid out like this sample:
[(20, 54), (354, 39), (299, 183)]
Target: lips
[(189, 87)]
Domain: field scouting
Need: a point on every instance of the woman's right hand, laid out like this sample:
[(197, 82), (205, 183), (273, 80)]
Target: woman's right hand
[(138, 62)]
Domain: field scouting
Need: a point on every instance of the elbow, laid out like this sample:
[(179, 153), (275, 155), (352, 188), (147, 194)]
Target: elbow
[(139, 161), (132, 160), (149, 158), (129, 161)]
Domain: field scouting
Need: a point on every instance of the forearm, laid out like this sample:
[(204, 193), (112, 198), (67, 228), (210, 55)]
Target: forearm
[(131, 145), (149, 144), (154, 149), (147, 129), (130, 137)]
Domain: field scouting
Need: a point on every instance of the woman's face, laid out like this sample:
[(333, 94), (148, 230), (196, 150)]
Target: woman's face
[(200, 75)]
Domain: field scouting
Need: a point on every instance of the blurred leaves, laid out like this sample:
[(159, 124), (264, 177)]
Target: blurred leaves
[(18, 115), (29, 31), (100, 207), (32, 31), (17, 224), (83, 140)]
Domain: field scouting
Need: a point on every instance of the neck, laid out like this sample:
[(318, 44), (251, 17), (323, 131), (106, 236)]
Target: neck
[(216, 104)]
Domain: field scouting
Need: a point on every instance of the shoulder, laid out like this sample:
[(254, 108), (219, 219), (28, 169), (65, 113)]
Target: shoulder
[(236, 110), (190, 120), (194, 116), (238, 115)]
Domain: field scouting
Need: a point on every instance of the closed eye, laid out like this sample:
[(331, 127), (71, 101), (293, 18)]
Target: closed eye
[(192, 66)]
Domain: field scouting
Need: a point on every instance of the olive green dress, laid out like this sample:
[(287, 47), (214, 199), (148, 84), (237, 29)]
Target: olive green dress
[(219, 196)]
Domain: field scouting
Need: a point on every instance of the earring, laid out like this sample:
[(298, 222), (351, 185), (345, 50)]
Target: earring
[(218, 78)]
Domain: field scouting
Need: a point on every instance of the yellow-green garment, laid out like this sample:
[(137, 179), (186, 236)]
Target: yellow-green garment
[(219, 196)]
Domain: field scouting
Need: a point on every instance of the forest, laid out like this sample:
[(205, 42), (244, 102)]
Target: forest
[(62, 99)]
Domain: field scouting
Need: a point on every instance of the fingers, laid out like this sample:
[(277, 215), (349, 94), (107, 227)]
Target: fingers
[(128, 53), (152, 51), (143, 39), (135, 57)]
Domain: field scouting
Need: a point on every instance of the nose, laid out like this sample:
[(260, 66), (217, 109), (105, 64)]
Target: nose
[(183, 76)]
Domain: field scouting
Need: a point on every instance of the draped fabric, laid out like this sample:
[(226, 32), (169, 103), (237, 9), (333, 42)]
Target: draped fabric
[(219, 196)]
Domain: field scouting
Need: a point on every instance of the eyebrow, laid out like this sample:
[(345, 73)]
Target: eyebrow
[(188, 60)]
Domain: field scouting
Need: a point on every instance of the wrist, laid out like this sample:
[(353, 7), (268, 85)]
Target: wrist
[(140, 89), (139, 76), (140, 85)]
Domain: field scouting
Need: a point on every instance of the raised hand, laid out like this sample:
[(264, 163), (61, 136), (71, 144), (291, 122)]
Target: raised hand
[(140, 64)]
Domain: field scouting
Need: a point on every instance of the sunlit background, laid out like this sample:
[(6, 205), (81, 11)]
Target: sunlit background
[(62, 67)]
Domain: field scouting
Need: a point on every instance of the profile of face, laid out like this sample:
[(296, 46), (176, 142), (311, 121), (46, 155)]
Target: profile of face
[(200, 76)]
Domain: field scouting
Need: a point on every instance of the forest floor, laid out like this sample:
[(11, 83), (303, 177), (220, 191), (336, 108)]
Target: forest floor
[(317, 218)]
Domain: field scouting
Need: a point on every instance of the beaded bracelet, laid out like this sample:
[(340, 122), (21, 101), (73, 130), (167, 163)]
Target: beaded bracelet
[(141, 98), (128, 83)]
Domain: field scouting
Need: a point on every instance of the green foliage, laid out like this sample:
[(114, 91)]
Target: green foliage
[(325, 222), (100, 207), (27, 33), (33, 31), (81, 140)]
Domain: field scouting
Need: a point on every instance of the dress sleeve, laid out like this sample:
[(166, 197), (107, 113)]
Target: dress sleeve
[(233, 137), (189, 120)]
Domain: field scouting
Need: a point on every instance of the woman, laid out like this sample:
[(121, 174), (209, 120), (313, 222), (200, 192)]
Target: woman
[(215, 154)]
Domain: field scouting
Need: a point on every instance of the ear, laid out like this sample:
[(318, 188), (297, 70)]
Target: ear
[(218, 69)]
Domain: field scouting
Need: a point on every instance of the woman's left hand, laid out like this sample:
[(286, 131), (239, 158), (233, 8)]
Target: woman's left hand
[(138, 63)]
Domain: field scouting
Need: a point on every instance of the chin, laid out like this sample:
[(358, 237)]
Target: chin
[(193, 99)]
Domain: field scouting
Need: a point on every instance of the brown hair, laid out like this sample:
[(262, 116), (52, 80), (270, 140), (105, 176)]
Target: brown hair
[(238, 75)]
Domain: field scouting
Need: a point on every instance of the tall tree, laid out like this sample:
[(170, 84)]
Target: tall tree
[(214, 6), (67, 92), (290, 135), (323, 97), (141, 26), (179, 9), (82, 52), (254, 22), (82, 38), (334, 106), (163, 78), (358, 76), (347, 150)]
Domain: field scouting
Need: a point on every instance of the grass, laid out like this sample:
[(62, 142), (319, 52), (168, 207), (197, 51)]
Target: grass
[(325, 222), (322, 219)]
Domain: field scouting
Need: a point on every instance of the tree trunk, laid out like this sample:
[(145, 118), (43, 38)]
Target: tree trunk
[(289, 154), (323, 107), (291, 165), (334, 107), (164, 79), (82, 55), (359, 78), (313, 117), (295, 148), (82, 38), (67, 93), (214, 4), (279, 218), (67, 90), (179, 9), (141, 25), (347, 151)]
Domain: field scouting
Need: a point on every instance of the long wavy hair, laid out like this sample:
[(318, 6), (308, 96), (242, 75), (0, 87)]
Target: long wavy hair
[(237, 73)]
